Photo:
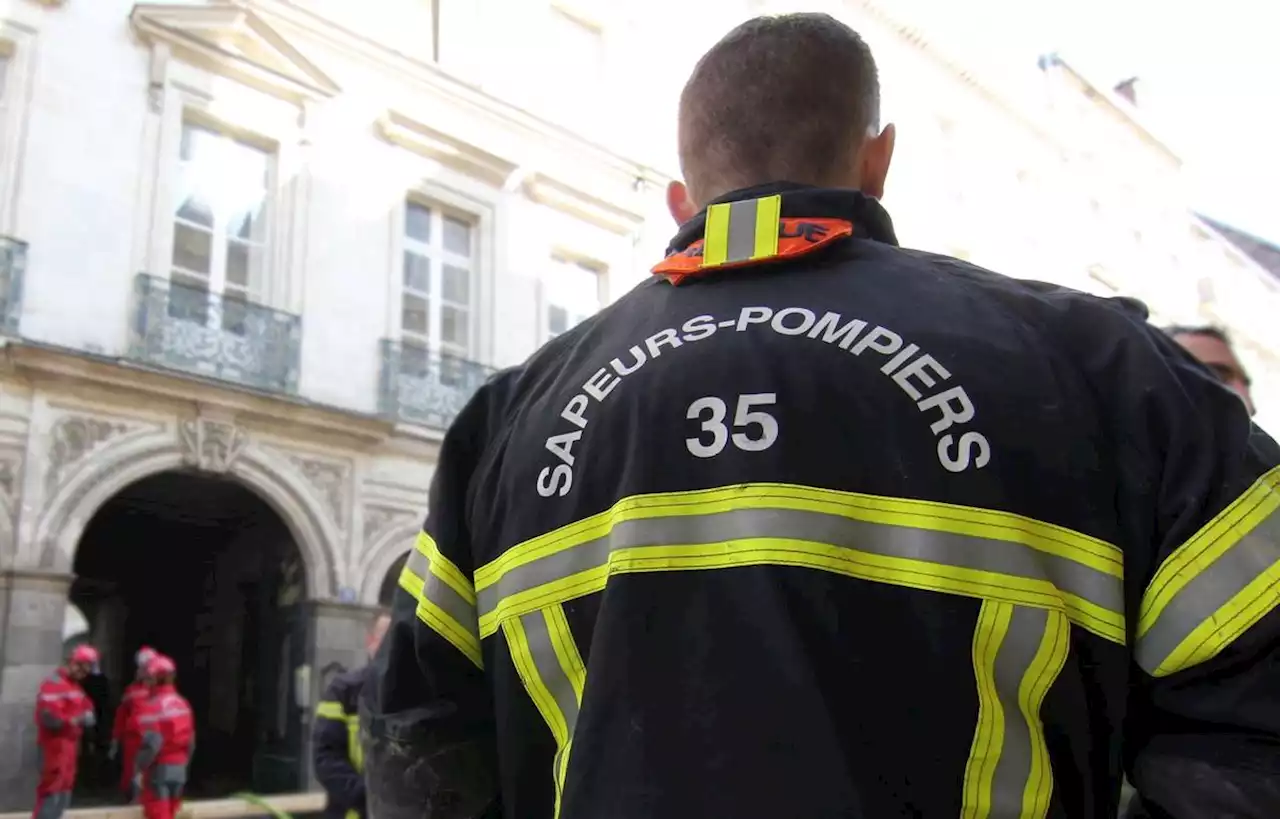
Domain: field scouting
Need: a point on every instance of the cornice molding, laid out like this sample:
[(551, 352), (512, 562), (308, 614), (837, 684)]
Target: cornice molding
[(233, 41), (490, 111), (566, 198), (413, 135)]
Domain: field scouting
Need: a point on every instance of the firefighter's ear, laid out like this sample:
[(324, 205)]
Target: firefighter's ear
[(874, 158), (678, 202)]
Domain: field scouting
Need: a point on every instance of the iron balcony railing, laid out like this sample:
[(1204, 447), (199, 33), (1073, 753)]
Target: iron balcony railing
[(13, 268), (183, 327), (421, 386)]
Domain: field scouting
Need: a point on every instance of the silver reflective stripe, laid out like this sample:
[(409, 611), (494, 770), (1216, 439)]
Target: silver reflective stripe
[(62, 695), (742, 231), (1015, 658), (538, 634), (941, 548), (1211, 589), (441, 594)]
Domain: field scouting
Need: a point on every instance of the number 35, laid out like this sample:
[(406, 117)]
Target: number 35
[(758, 428)]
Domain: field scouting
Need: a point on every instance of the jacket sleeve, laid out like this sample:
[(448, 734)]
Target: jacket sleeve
[(1202, 488), (331, 752), (51, 710), (427, 718)]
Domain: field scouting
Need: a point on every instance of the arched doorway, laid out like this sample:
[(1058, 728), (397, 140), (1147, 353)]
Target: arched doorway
[(391, 581), (202, 569)]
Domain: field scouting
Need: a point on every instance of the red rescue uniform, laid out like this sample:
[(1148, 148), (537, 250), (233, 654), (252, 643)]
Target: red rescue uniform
[(62, 713), (167, 733), (134, 695)]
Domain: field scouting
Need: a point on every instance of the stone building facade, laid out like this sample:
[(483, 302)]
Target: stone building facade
[(275, 244)]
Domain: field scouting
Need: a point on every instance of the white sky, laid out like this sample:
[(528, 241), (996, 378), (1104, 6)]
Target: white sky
[(1210, 78)]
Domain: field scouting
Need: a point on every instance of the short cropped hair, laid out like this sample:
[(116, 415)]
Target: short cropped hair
[(1210, 330), (781, 98)]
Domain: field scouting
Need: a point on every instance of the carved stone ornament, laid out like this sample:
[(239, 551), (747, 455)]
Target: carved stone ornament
[(330, 480), (379, 519), (10, 470), (73, 437), (211, 446)]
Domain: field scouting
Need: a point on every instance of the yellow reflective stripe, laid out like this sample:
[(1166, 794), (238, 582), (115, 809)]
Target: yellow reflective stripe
[(993, 622), (571, 665), (920, 544), (444, 613), (546, 658), (444, 568), (328, 709), (768, 216), (715, 245), (355, 752), (1216, 586), (741, 231), (1018, 653)]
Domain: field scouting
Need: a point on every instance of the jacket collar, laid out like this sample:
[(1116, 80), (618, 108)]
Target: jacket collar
[(869, 218)]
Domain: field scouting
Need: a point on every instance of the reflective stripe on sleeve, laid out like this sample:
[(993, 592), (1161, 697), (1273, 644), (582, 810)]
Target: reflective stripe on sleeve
[(1018, 653), (446, 598), (742, 231), (1215, 586), (547, 660), (328, 709), (919, 544)]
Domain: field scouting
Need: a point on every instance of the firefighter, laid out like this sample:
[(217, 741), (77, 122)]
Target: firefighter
[(63, 712), (166, 727), (124, 743), (335, 739), (1211, 346), (811, 525)]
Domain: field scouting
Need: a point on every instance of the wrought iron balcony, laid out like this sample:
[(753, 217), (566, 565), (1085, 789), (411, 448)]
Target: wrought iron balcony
[(187, 328), (421, 386), (13, 266)]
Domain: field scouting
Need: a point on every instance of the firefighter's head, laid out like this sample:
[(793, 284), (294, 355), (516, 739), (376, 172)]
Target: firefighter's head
[(1212, 347), (83, 661), (143, 656), (377, 630), (782, 98), (161, 670)]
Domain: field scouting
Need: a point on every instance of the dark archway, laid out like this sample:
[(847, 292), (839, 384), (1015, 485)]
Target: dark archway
[(391, 581), (204, 570)]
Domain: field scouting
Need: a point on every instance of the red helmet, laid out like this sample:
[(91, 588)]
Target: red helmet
[(160, 664), (144, 656), (87, 655)]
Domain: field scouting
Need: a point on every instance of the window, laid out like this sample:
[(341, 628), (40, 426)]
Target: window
[(437, 283), (570, 294), (219, 228)]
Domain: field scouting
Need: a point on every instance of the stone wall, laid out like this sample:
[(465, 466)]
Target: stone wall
[(32, 607)]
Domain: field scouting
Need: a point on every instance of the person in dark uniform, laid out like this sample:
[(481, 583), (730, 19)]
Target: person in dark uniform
[(813, 525), (335, 745), (1211, 346)]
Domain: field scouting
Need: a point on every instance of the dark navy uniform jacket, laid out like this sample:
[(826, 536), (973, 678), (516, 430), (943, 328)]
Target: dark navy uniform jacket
[(335, 745), (811, 525)]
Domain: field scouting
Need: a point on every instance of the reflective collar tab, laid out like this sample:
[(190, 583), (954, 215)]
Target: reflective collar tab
[(750, 232)]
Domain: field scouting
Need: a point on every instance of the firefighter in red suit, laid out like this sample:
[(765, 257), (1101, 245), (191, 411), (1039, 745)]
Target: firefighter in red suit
[(124, 741), (63, 711), (165, 724)]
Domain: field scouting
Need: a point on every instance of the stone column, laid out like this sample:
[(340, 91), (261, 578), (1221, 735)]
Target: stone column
[(338, 631), (32, 609)]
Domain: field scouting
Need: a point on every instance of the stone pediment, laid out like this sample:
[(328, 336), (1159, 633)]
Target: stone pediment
[(568, 198), (420, 138), (233, 41)]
